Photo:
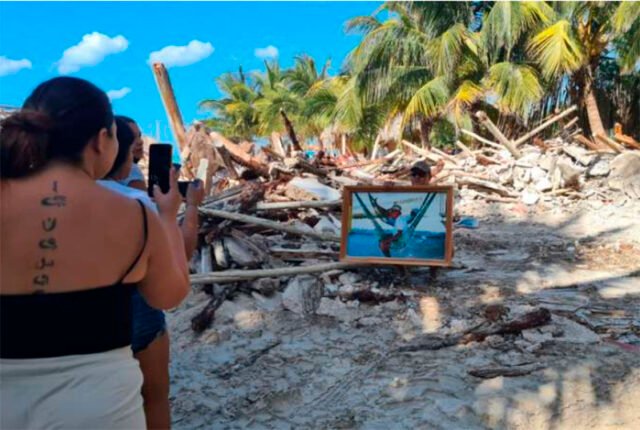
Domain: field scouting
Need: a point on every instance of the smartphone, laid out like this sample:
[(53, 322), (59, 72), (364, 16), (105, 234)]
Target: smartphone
[(182, 187), (159, 166)]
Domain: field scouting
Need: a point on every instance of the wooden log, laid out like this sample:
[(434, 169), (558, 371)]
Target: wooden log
[(444, 155), (588, 143), (269, 206), (247, 219), (465, 149), (245, 275), (276, 144), (482, 139), (290, 131), (170, 105), (485, 185), (544, 125), (423, 152), (570, 124), (376, 146), (535, 318), (225, 156), (239, 156), (627, 140), (495, 131), (610, 143), (509, 371)]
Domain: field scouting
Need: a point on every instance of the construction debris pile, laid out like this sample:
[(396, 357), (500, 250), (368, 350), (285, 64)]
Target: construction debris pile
[(274, 213)]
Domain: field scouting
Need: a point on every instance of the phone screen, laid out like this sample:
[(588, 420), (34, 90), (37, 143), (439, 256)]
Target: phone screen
[(159, 166)]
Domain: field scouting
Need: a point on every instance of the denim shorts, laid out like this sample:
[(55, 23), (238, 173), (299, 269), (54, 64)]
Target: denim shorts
[(148, 323)]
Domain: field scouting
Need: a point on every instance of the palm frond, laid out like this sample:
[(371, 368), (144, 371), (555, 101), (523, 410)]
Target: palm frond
[(517, 87), (556, 50), (429, 100)]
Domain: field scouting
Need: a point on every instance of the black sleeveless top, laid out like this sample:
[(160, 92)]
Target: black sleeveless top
[(69, 323)]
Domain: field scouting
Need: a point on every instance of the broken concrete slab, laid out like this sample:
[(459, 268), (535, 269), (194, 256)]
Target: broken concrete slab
[(303, 294)]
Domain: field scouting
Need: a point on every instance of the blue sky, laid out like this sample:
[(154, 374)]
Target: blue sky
[(119, 37)]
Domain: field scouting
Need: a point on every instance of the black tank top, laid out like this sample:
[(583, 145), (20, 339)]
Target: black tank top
[(69, 323)]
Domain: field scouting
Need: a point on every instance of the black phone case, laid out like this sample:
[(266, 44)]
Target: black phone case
[(159, 166)]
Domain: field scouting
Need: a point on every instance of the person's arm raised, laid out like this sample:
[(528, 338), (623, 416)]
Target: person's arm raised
[(166, 282)]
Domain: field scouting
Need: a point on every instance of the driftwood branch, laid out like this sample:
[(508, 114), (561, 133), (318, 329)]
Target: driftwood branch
[(247, 219), (245, 275), (203, 320)]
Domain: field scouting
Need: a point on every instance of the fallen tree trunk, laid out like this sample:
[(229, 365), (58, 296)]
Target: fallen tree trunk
[(245, 275), (247, 219)]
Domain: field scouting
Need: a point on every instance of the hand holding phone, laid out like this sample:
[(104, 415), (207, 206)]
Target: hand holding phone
[(159, 167), (168, 203)]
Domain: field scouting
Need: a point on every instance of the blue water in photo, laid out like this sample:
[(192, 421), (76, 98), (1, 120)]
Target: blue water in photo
[(423, 245)]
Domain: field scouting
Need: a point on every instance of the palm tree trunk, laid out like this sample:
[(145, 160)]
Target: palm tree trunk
[(425, 129), (593, 113)]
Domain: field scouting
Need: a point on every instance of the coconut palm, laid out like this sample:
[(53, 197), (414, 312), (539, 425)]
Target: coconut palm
[(580, 37), (236, 114)]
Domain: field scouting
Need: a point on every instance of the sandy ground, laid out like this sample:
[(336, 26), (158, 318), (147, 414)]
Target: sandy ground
[(260, 366)]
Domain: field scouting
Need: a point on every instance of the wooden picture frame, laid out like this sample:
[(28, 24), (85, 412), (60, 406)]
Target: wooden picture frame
[(384, 233)]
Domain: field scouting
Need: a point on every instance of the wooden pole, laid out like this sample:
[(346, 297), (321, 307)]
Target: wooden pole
[(481, 139), (170, 104), (465, 149), (276, 144), (589, 144), (610, 143), (544, 125), (244, 275), (268, 206), (495, 131), (376, 146), (247, 219)]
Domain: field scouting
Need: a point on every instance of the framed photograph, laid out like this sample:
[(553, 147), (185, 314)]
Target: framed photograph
[(398, 225)]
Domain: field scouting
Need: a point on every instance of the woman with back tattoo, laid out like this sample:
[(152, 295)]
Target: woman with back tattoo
[(68, 265)]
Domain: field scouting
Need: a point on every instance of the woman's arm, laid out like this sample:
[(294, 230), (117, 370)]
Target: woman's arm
[(189, 227)]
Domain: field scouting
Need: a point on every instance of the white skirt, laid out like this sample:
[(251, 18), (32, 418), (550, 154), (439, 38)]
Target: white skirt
[(93, 391)]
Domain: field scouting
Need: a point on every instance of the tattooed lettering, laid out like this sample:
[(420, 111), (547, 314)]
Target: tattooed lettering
[(44, 263), (58, 201), (49, 224), (49, 243), (41, 280)]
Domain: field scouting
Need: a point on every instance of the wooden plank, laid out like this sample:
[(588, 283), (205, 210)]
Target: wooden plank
[(239, 156), (248, 219), (269, 206), (244, 275), (589, 144)]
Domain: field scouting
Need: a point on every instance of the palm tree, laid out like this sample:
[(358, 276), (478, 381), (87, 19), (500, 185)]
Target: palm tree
[(579, 38), (236, 114)]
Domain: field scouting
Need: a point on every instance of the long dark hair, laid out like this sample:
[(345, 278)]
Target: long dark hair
[(125, 140), (56, 122)]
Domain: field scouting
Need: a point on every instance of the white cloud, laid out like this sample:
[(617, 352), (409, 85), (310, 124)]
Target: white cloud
[(91, 50), (178, 56), (268, 52), (118, 94), (9, 66)]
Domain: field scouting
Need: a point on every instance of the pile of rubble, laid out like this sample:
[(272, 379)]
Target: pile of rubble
[(273, 213)]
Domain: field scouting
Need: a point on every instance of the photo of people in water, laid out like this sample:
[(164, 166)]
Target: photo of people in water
[(397, 225)]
